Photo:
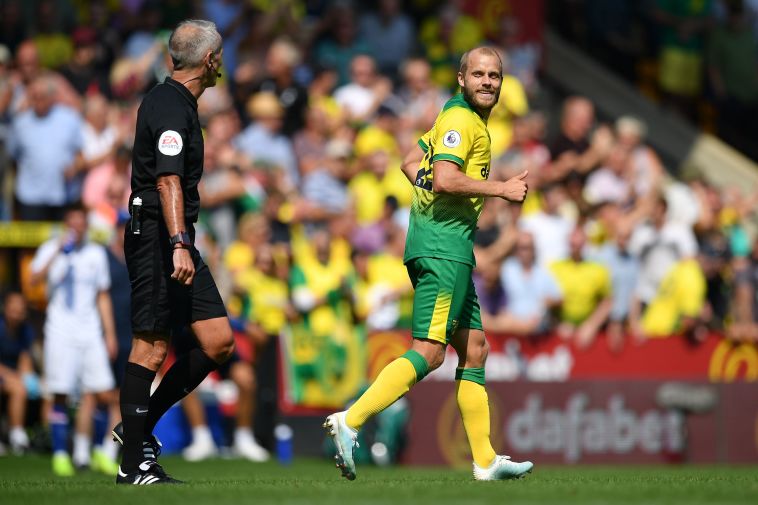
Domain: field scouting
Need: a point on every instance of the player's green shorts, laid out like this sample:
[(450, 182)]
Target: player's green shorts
[(444, 298)]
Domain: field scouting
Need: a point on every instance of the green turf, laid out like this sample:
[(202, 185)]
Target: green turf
[(28, 481)]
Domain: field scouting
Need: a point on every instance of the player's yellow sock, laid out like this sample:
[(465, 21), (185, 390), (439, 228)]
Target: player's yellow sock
[(393, 382), (475, 411)]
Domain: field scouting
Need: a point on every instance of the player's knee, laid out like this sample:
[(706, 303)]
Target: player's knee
[(242, 374), (14, 386), (435, 358), (477, 355), (157, 355), (223, 347)]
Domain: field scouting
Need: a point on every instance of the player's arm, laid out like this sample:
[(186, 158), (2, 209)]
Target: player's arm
[(411, 163), (448, 179), (105, 309), (172, 207)]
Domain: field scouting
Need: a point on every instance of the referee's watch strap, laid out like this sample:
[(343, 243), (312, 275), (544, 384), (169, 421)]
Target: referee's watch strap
[(182, 239)]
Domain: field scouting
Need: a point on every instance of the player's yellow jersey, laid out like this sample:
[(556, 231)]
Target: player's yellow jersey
[(443, 226)]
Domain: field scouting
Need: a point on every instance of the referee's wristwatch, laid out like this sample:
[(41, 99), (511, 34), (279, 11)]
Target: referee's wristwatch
[(182, 239)]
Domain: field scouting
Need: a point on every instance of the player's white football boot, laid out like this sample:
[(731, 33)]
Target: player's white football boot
[(503, 469), (345, 439)]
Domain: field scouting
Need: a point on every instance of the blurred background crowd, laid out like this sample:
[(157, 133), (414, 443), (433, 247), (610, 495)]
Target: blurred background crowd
[(304, 207)]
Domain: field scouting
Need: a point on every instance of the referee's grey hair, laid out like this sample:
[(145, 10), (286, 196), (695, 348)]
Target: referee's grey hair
[(191, 41)]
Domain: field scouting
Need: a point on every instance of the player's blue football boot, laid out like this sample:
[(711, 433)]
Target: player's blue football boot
[(503, 469), (345, 439)]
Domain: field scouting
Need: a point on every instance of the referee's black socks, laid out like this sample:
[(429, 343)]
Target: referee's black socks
[(185, 375), (135, 398)]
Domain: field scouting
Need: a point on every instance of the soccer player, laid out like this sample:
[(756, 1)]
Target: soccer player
[(79, 336), (449, 170)]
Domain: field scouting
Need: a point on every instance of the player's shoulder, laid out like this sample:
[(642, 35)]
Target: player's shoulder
[(458, 107), (162, 98)]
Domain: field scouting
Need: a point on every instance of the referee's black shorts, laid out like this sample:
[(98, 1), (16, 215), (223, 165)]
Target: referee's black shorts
[(160, 304)]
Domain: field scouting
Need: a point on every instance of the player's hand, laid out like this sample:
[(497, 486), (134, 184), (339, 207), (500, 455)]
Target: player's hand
[(111, 345), (515, 188), (184, 269)]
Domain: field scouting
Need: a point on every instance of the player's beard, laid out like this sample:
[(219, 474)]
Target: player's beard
[(472, 98)]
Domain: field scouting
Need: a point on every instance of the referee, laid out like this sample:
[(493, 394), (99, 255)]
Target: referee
[(171, 285)]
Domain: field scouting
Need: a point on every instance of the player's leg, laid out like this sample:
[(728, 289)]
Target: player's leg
[(146, 357), (436, 306), (202, 445), (61, 372), (216, 344), (82, 446), (472, 348), (245, 445), (104, 449), (203, 308), (12, 384)]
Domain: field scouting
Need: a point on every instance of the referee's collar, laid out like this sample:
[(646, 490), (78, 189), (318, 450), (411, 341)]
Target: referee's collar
[(182, 90)]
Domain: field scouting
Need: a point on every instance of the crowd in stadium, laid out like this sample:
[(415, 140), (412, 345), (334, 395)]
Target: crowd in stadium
[(304, 207)]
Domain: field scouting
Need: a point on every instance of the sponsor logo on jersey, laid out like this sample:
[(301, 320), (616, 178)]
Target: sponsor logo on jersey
[(170, 143)]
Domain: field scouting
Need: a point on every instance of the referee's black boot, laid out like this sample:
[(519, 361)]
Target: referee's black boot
[(148, 473), (151, 448)]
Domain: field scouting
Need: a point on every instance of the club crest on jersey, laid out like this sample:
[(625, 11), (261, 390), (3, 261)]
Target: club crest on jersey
[(170, 143), (452, 138)]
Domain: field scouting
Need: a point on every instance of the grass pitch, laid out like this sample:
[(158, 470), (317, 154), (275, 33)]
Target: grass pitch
[(28, 481)]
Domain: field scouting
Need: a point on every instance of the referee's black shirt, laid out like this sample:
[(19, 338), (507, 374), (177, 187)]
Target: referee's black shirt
[(168, 141)]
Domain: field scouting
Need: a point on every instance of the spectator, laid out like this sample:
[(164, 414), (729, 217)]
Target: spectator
[(324, 188), (281, 60), (549, 227), (530, 291), (678, 306), (47, 178), (512, 103), (744, 325), (366, 91), (29, 69), (526, 150), (421, 98), (611, 183), (322, 281), (263, 141), (387, 284), (16, 368), (574, 150), (83, 71), (659, 244), (221, 187), (12, 25), (310, 143), (253, 232), (732, 54), (342, 43), (490, 291), (682, 27), (586, 289), (523, 55), (645, 168), (108, 176), (390, 35), (624, 270), (55, 47), (446, 35)]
